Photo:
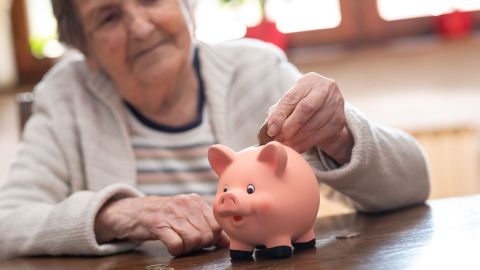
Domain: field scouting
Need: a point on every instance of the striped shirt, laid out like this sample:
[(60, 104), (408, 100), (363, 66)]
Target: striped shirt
[(173, 160)]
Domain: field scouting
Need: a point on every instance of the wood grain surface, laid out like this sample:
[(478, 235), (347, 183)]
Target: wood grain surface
[(442, 234)]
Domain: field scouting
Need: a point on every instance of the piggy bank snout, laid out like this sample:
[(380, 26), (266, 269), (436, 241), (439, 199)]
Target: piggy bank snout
[(228, 204), (228, 200)]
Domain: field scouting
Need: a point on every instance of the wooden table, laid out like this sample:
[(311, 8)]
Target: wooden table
[(442, 234)]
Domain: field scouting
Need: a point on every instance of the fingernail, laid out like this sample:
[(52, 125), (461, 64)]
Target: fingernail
[(272, 130)]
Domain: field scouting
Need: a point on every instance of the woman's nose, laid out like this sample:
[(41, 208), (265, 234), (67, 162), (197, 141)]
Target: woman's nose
[(139, 25)]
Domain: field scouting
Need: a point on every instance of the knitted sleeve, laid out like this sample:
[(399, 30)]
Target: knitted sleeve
[(387, 169), (39, 212)]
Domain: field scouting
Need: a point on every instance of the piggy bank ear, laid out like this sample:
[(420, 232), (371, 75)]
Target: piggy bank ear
[(274, 154), (220, 157)]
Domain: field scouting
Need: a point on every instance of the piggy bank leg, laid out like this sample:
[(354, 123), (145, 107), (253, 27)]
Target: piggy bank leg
[(239, 250), (279, 247), (305, 241)]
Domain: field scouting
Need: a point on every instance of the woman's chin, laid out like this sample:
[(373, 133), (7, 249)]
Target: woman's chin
[(157, 71), (153, 75)]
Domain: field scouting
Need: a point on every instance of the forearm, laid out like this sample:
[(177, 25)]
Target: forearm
[(395, 177), (57, 229), (387, 169)]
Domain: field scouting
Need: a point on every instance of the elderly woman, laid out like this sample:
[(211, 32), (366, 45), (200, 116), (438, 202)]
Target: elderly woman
[(119, 135)]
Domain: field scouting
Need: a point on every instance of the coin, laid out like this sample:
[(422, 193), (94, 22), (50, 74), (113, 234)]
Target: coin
[(347, 235), (159, 267), (263, 137)]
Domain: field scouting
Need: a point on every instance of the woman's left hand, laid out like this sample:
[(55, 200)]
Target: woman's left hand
[(311, 114)]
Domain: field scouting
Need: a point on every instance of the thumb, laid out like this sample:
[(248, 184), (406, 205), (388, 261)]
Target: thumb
[(282, 110)]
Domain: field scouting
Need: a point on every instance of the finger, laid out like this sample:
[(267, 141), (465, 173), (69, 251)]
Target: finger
[(323, 135), (307, 132), (284, 108), (303, 147), (215, 228), (201, 217), (332, 107), (205, 235), (190, 235), (170, 239), (210, 218), (223, 240), (265, 122), (318, 124), (303, 112)]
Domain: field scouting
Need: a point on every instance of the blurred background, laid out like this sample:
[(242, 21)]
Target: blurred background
[(412, 64)]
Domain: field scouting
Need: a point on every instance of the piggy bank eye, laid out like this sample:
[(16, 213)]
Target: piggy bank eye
[(250, 189), (225, 188)]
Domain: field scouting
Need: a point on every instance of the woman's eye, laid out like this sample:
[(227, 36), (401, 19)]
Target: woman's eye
[(109, 18), (149, 2), (225, 188), (250, 189)]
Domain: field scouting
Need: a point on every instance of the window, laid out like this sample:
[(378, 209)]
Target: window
[(396, 10), (304, 15), (29, 68), (390, 19), (216, 21), (42, 30)]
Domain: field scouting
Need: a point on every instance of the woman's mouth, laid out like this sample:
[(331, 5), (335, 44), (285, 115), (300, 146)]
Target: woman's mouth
[(237, 218), (147, 50)]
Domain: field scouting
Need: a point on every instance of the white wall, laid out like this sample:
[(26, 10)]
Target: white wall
[(8, 75)]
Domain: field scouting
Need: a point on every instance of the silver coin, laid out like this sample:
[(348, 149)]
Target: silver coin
[(159, 267), (347, 235)]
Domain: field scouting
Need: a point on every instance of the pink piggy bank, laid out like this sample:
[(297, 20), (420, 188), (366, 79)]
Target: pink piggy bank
[(267, 198)]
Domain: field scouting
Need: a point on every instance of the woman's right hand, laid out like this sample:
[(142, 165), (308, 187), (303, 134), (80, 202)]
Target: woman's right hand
[(184, 223)]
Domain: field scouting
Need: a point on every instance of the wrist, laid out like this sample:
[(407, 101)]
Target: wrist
[(108, 225), (341, 150)]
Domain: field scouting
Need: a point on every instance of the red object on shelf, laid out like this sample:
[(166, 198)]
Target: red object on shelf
[(456, 24), (267, 31)]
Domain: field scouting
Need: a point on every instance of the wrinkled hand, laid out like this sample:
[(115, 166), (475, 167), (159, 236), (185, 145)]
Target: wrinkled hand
[(312, 114), (184, 223)]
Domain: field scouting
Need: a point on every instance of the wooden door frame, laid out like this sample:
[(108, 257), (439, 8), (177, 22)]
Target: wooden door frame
[(29, 68)]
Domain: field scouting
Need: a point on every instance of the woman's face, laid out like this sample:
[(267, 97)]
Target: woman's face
[(138, 43)]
